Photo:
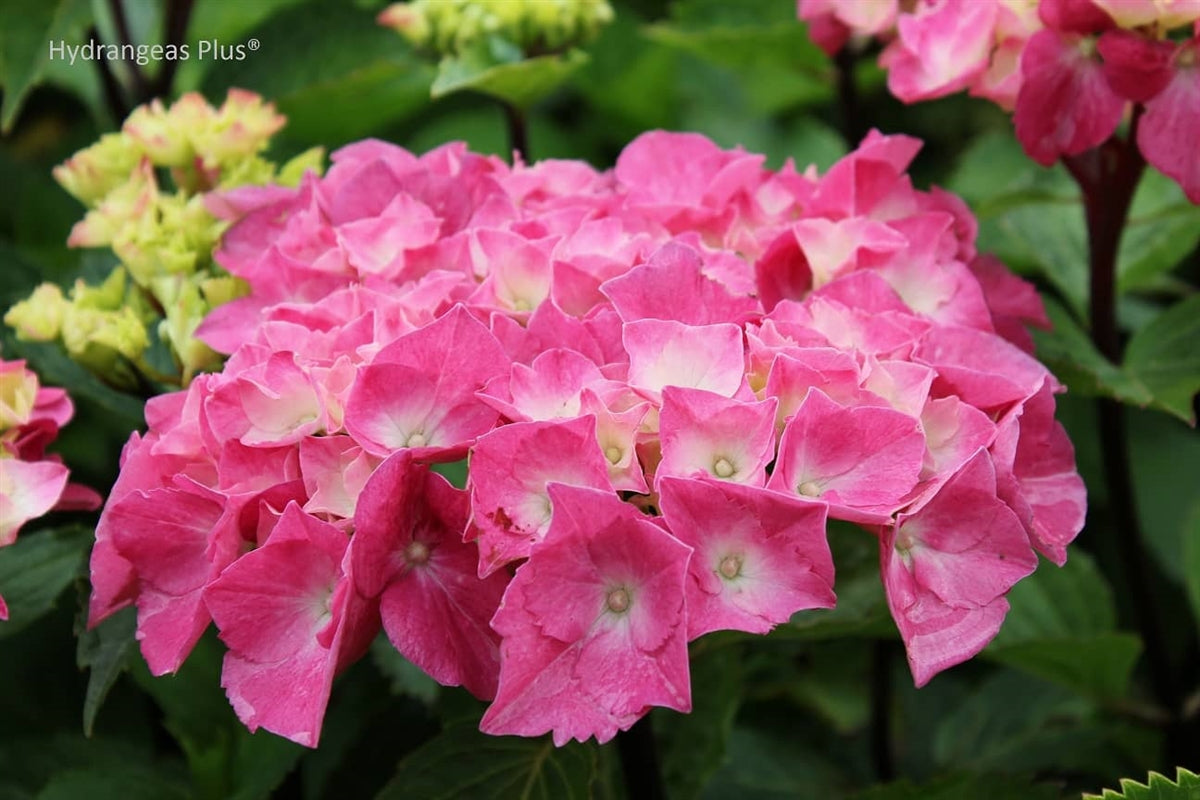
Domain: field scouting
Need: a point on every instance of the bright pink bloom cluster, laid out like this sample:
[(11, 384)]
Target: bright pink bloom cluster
[(32, 481), (666, 378), (1071, 69)]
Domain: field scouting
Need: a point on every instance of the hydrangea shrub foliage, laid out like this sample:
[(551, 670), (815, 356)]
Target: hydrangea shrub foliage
[(689, 399)]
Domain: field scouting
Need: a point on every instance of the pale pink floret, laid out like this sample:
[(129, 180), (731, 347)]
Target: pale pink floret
[(672, 285), (549, 388), (668, 353), (942, 48), (705, 434), (440, 367), (28, 489), (408, 550), (861, 460), (947, 565), (510, 469), (760, 556), (1035, 465), (292, 619), (166, 535), (593, 625)]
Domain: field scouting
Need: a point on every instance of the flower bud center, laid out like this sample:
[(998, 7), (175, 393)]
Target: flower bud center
[(417, 553), (416, 440), (722, 468), (613, 454), (618, 600), (730, 567), (809, 489)]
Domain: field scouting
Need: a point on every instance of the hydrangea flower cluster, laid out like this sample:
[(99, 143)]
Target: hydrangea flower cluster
[(166, 281), (1071, 69), (32, 481), (665, 379), (454, 27)]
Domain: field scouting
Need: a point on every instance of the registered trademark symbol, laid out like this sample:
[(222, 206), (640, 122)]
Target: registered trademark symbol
[(253, 44)]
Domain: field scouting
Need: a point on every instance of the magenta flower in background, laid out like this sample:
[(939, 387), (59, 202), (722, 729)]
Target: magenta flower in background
[(1070, 70)]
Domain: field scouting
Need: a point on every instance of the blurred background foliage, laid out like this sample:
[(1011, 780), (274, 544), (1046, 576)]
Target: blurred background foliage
[(824, 707)]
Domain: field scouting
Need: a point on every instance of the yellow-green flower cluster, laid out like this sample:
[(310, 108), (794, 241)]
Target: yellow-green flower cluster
[(145, 191), (537, 27)]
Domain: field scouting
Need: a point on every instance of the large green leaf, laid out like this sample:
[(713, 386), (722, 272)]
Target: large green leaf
[(766, 766), (1186, 786), (1013, 723), (405, 677), (462, 763), (955, 787), (1164, 459), (115, 781), (55, 764), (1191, 560), (518, 83), (105, 651), (777, 63), (1165, 357), (1074, 360), (1061, 627), (1047, 237), (331, 69), (694, 744), (27, 40), (1163, 227), (225, 759), (36, 569), (861, 609)]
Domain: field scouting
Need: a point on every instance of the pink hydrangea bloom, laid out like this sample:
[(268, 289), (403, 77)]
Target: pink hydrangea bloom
[(664, 380), (1071, 69), (32, 481)]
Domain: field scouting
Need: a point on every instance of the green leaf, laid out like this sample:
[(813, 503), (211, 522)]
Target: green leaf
[(1186, 786), (993, 787), (225, 759), (694, 744), (105, 651), (778, 64), (404, 676), (861, 609), (115, 781), (1165, 458), (1155, 245), (1045, 237), (25, 46), (994, 173), (1061, 627), (36, 569), (1013, 723), (769, 765), (331, 69), (463, 763), (1164, 356), (1191, 561), (518, 83), (1075, 361)]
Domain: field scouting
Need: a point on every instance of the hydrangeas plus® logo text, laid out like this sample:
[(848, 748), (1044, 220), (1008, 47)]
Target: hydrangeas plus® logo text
[(143, 54)]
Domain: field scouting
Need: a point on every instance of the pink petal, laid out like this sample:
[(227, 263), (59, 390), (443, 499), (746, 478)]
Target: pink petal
[(759, 556)]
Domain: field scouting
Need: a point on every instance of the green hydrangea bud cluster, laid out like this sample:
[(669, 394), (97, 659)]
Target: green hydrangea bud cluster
[(145, 190), (537, 27)]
